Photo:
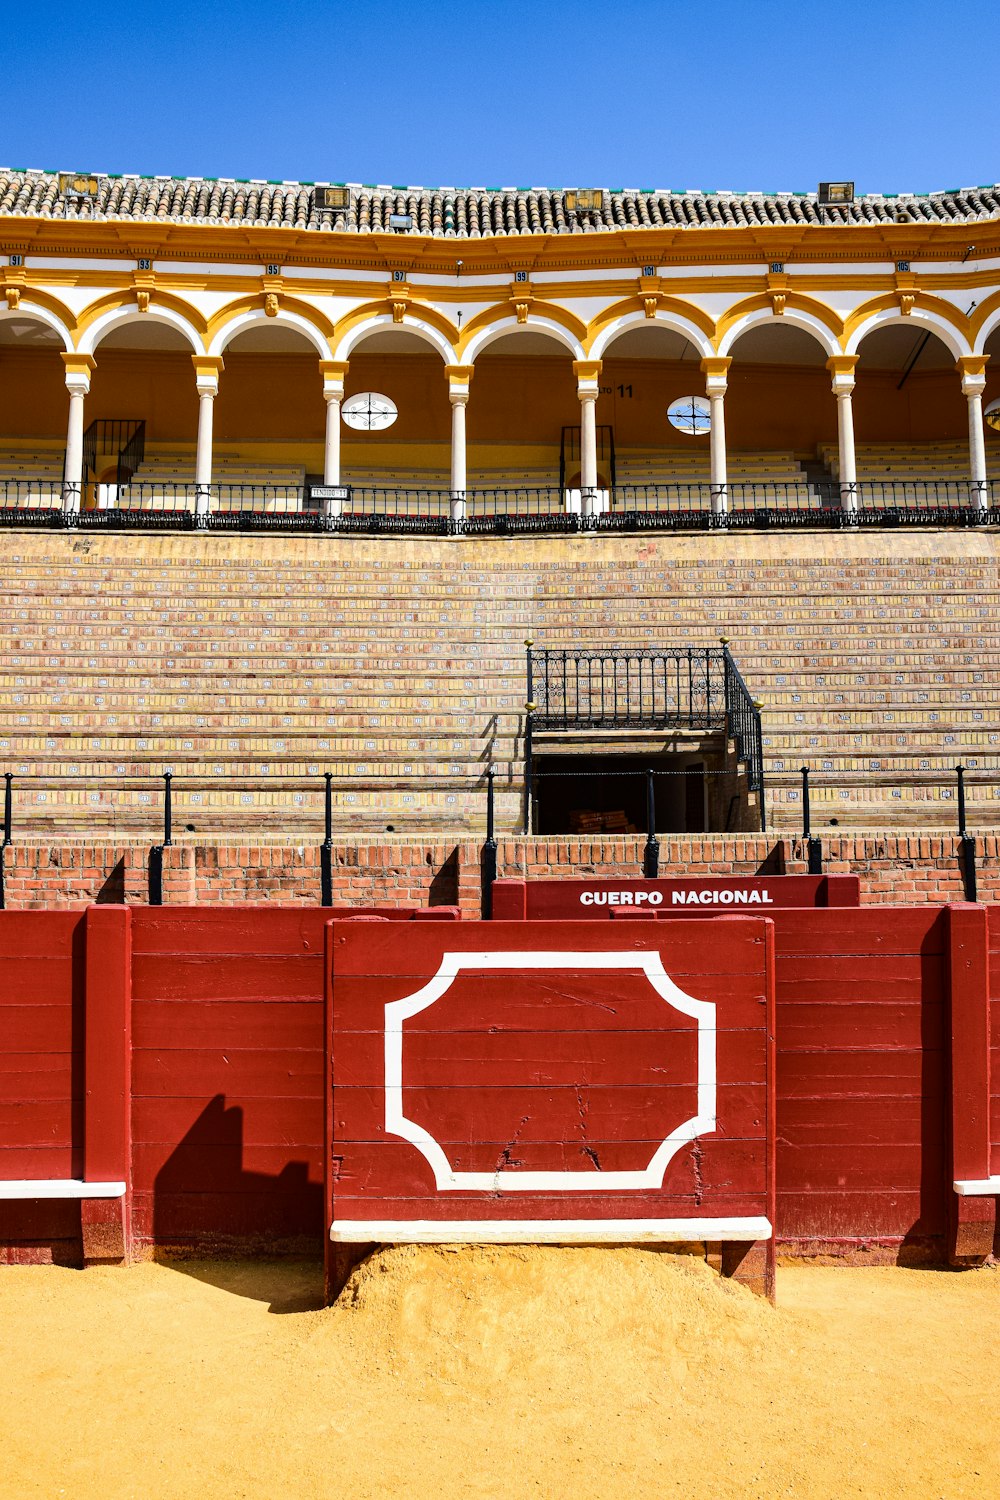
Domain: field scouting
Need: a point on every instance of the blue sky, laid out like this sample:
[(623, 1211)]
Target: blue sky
[(900, 97)]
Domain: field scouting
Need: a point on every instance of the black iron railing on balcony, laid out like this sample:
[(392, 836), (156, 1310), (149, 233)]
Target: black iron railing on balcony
[(656, 688), (373, 510)]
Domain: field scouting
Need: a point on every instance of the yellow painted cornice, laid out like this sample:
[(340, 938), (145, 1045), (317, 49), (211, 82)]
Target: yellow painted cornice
[(794, 244)]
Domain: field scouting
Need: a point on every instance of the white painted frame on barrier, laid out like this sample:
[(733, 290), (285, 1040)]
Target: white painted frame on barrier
[(446, 1179)]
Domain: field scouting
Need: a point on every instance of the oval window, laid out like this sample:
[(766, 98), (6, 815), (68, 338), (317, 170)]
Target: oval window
[(690, 414), (369, 412), (992, 415)]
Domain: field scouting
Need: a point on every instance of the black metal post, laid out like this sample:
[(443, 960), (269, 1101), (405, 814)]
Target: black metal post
[(489, 848), (651, 853), (529, 711), (8, 808), (326, 848), (168, 809), (814, 847), (968, 842)]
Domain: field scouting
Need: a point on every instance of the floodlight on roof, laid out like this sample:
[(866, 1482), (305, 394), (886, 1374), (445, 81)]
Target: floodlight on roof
[(583, 200), (77, 185), (337, 198), (400, 221), (835, 192)]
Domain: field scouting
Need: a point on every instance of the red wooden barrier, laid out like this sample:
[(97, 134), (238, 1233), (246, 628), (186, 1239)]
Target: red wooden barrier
[(974, 1204), (593, 898), (552, 1081)]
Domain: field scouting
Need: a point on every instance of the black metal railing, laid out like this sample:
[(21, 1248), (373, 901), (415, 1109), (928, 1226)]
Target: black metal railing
[(743, 727), (505, 511), (687, 687), (125, 437), (650, 776), (627, 688)]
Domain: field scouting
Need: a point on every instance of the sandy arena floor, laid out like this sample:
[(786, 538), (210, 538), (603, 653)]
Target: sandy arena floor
[(543, 1372)]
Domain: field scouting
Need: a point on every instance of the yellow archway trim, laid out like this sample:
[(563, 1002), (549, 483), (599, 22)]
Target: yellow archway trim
[(34, 294), (384, 309), (794, 301), (233, 310), (984, 312), (112, 301), (890, 302), (500, 311), (629, 305)]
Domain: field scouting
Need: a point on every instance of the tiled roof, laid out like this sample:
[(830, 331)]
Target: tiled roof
[(467, 212)]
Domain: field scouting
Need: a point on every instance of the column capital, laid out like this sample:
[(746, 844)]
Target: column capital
[(587, 372), (78, 370), (972, 368), (334, 373), (715, 368), (842, 368), (459, 378), (206, 373)]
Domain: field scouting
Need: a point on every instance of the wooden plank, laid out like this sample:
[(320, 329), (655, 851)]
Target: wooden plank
[(873, 930), (859, 1216), (29, 934), (177, 977), (42, 979), (217, 1023), (389, 948), (878, 1026), (295, 1123), (40, 1122), (36, 1028), (225, 1170), (259, 1073), (289, 931)]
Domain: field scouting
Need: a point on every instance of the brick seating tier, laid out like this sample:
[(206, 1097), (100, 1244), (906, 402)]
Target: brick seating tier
[(250, 665)]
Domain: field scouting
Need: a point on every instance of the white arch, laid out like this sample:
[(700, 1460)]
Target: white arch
[(668, 321), (118, 317), (257, 318), (792, 317), (494, 331), (990, 326), (31, 310), (410, 324), (920, 317)]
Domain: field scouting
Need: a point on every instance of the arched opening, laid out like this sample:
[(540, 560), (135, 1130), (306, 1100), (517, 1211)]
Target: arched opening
[(141, 410), (780, 412), (911, 420), (269, 415), (647, 370), (413, 449), (524, 416), (991, 395), (32, 411)]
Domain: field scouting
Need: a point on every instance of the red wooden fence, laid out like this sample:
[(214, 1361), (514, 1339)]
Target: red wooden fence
[(191, 1075)]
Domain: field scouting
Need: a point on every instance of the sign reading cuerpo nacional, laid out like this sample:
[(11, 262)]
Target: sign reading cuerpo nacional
[(520, 899)]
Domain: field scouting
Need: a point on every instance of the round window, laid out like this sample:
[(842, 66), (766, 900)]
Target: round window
[(690, 414), (369, 412), (992, 415)]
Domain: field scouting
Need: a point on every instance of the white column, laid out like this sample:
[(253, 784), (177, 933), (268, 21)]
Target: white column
[(715, 369), (973, 372), (78, 368), (842, 367), (206, 371), (587, 373), (459, 378), (334, 374)]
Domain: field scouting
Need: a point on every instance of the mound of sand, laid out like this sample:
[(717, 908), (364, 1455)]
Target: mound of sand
[(475, 1316)]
